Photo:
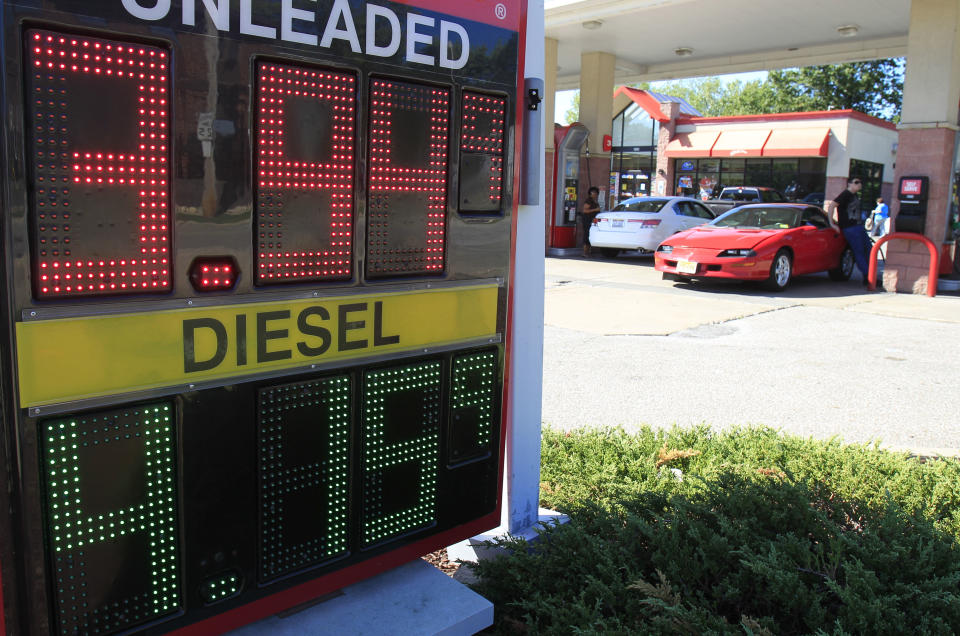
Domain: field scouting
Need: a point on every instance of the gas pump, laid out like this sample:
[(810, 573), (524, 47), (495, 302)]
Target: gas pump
[(912, 194), (566, 179)]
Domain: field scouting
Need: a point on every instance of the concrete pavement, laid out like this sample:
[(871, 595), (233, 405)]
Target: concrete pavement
[(623, 347)]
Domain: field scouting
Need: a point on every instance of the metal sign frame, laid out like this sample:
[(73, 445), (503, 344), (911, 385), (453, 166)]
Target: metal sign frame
[(406, 339)]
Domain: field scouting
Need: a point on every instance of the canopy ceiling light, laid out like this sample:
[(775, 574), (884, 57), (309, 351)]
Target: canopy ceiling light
[(593, 24), (683, 51), (848, 30)]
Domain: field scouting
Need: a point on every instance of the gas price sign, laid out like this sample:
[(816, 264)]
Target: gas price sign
[(256, 268)]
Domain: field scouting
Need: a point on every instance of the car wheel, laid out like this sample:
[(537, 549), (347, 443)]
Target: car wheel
[(609, 252), (780, 271), (844, 270)]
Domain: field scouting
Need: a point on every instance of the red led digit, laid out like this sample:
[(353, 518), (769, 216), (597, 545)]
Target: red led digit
[(482, 123), (305, 141), (482, 133), (99, 170), (407, 188)]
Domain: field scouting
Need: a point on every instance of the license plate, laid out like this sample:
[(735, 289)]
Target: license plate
[(686, 267), (618, 223)]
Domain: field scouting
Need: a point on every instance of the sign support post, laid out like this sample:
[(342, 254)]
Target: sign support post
[(521, 514)]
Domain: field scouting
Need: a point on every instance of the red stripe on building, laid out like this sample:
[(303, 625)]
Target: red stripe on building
[(775, 117), (645, 100)]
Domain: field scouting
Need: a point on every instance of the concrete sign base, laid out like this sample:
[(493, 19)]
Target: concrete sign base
[(415, 598), (473, 549)]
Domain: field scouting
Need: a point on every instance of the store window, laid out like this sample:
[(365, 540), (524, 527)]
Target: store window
[(795, 178), (757, 172), (732, 170), (871, 174), (633, 160), (638, 127)]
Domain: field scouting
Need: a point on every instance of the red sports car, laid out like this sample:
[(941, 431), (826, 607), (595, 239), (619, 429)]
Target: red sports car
[(763, 242)]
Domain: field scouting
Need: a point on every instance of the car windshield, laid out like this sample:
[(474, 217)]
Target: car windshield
[(640, 205), (740, 195), (779, 218)]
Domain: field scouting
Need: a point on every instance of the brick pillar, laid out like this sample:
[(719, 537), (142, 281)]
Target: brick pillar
[(668, 130), (929, 152), (928, 132)]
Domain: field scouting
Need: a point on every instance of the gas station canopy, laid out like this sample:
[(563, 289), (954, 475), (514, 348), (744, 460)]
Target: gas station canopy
[(667, 39)]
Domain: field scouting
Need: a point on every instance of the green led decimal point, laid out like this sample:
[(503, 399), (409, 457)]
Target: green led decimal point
[(220, 587)]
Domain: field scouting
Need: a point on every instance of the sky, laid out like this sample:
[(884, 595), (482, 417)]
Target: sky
[(565, 98)]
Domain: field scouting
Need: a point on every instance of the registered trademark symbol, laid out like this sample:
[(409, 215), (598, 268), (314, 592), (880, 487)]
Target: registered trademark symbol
[(501, 11)]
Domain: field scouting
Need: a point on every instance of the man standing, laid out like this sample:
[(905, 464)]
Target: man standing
[(845, 212), (590, 210)]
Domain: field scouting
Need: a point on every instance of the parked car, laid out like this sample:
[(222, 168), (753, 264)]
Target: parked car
[(814, 198), (735, 196), (641, 223), (762, 242)]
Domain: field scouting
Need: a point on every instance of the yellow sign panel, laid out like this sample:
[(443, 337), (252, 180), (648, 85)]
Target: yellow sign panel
[(76, 358)]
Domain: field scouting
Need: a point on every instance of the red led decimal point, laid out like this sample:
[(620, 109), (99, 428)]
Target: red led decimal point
[(213, 273)]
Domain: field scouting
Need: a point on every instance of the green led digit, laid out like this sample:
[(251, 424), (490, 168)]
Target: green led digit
[(401, 433), (304, 465), (472, 404), (111, 517)]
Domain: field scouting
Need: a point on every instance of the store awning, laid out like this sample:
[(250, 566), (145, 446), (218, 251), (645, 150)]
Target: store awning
[(740, 143), (798, 142), (692, 144)]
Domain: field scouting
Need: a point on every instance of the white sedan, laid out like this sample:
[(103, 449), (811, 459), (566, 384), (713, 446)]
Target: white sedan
[(642, 223)]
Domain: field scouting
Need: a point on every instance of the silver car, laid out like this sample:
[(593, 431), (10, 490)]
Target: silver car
[(642, 223)]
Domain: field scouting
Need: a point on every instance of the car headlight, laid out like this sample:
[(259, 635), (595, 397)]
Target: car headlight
[(737, 253), (666, 249)]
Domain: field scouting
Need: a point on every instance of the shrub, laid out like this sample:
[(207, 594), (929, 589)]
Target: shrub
[(756, 533)]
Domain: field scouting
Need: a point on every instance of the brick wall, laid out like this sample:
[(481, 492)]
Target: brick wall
[(668, 131)]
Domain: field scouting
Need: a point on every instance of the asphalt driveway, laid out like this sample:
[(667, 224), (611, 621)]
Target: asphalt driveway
[(625, 348)]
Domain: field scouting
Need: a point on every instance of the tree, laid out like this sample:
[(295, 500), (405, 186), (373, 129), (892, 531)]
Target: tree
[(573, 113), (874, 87), (713, 98), (748, 98)]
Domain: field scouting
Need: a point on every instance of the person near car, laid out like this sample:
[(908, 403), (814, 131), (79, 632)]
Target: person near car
[(881, 219), (844, 210), (587, 214)]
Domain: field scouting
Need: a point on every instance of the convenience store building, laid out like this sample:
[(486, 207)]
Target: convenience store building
[(795, 153)]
